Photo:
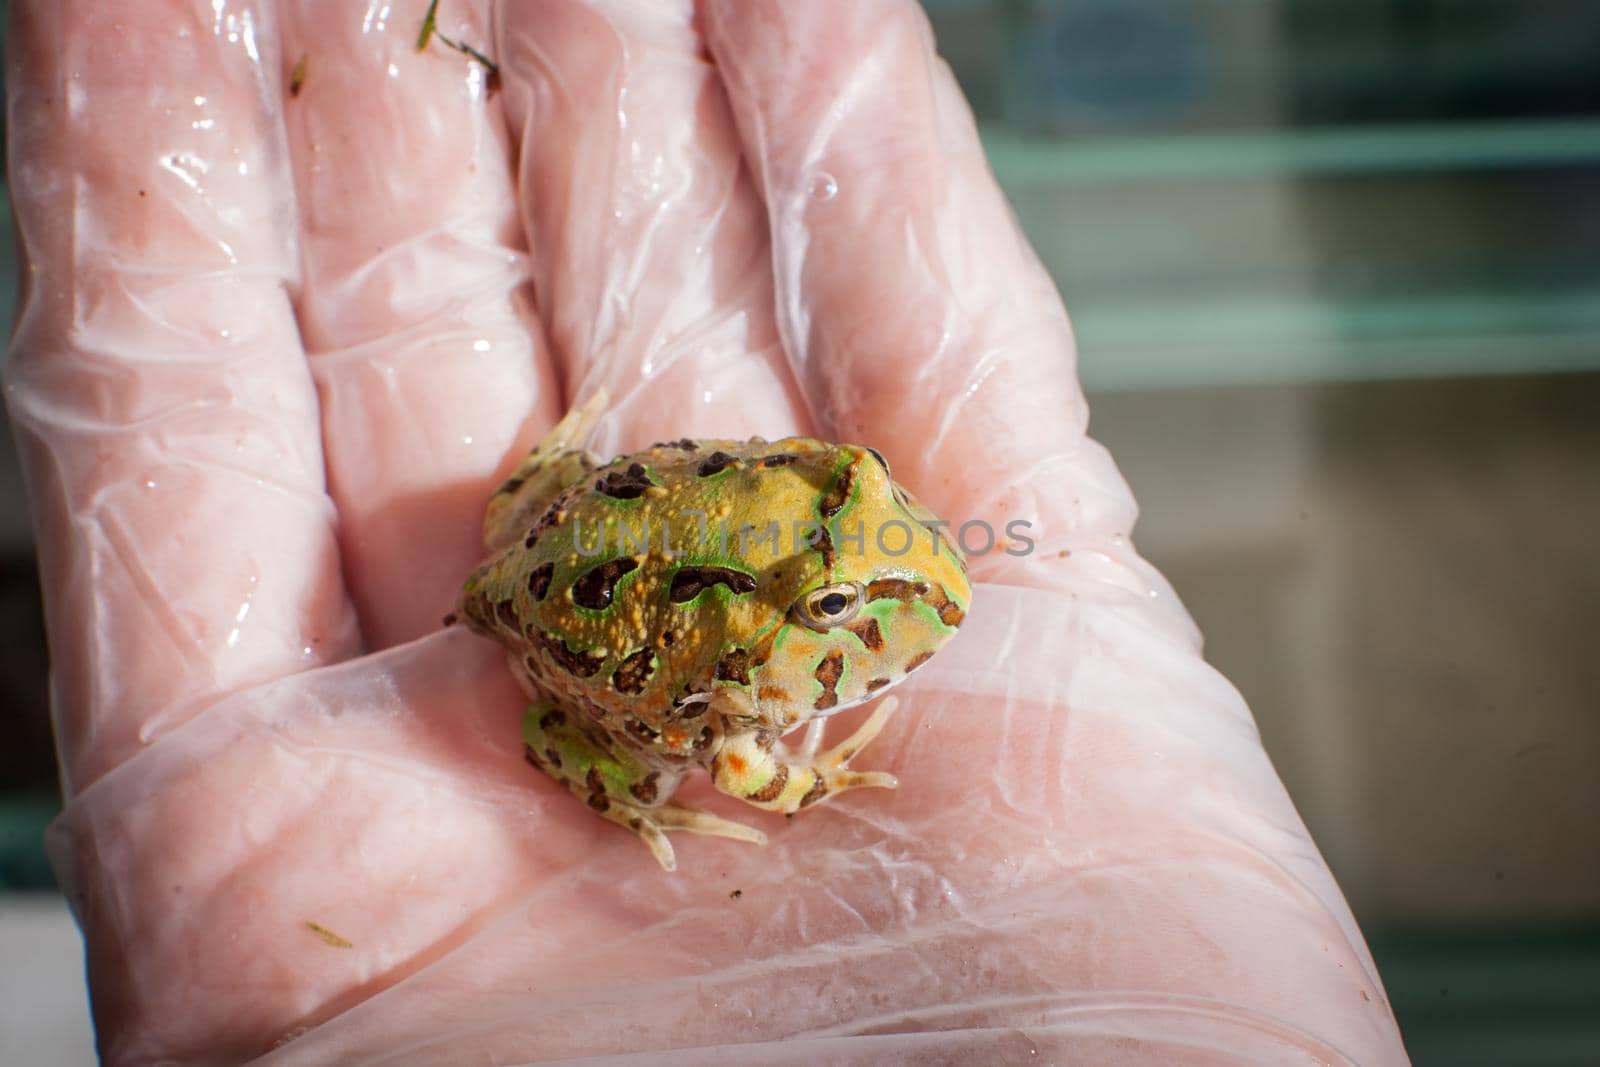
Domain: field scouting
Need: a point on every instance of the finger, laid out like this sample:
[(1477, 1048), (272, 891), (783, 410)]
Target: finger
[(431, 368), (650, 245), (917, 316), (156, 382)]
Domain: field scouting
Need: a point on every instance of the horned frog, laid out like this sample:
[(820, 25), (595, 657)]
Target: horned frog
[(688, 605)]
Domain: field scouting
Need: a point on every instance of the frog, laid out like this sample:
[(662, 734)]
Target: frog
[(691, 605)]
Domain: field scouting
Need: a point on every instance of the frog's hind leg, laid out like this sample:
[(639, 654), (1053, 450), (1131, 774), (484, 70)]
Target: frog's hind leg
[(556, 462), (618, 785)]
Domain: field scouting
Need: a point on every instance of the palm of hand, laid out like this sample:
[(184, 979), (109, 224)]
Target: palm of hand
[(273, 833)]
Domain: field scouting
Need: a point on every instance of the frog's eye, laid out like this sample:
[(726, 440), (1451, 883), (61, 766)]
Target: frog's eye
[(828, 606)]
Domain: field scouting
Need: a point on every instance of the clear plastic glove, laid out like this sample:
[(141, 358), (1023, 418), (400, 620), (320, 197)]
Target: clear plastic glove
[(298, 296)]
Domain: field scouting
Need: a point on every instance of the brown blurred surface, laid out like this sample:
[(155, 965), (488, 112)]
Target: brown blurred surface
[(1402, 579)]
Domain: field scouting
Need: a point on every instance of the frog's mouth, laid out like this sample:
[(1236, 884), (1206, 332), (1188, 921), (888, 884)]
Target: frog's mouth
[(853, 702)]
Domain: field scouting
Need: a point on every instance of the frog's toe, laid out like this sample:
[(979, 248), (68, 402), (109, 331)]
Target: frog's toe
[(839, 756), (657, 842), (674, 816), (807, 752), (650, 824), (839, 781)]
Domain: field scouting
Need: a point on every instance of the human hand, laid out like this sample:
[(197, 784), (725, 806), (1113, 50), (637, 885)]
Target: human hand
[(277, 348)]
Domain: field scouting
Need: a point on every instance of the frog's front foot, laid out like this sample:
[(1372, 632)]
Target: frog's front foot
[(787, 782), (617, 784)]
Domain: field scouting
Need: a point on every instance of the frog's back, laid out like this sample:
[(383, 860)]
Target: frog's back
[(647, 581)]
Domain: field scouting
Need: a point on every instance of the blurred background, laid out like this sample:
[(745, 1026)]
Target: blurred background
[(1335, 270)]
